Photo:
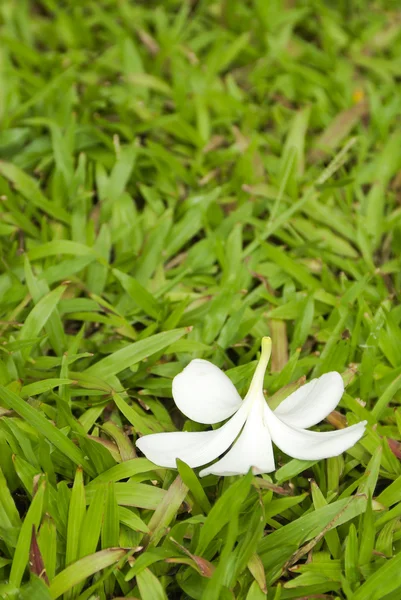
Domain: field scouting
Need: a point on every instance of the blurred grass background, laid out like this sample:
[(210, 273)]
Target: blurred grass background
[(178, 179)]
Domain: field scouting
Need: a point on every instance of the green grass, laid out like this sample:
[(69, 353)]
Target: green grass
[(177, 180)]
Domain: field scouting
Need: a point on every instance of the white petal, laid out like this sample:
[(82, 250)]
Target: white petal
[(253, 449), (312, 402), (311, 445), (194, 448), (204, 393)]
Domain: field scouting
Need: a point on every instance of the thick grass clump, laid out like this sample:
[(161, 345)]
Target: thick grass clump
[(179, 179)]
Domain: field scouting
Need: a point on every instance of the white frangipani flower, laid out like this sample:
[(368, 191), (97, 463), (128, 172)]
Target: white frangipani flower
[(206, 395)]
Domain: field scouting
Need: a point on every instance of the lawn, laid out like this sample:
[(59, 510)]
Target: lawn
[(178, 180)]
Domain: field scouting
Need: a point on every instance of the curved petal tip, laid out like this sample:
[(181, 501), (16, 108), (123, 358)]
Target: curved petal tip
[(204, 393)]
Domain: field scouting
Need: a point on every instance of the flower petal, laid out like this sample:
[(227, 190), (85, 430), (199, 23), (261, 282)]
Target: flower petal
[(194, 448), (204, 393), (312, 402), (311, 445), (253, 449)]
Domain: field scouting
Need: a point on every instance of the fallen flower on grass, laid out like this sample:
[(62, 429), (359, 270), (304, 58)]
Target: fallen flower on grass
[(206, 395)]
